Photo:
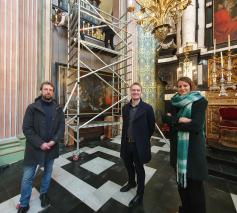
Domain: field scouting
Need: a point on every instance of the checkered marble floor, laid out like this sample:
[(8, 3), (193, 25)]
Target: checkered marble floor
[(92, 183)]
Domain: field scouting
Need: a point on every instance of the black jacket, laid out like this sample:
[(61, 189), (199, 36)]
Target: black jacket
[(197, 165), (143, 128), (34, 125)]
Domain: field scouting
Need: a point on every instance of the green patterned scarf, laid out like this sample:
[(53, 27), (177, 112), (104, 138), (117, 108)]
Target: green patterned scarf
[(184, 102)]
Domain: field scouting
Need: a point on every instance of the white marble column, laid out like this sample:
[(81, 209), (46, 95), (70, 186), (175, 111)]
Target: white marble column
[(178, 34), (189, 24), (201, 23)]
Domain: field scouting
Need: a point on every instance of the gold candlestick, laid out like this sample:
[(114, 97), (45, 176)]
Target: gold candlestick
[(222, 80), (228, 42), (214, 86), (229, 83)]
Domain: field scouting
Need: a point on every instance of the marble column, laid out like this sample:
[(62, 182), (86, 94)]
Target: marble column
[(189, 24), (178, 34), (201, 23)]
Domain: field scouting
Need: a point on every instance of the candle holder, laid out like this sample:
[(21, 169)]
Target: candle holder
[(222, 81), (214, 86), (229, 83)]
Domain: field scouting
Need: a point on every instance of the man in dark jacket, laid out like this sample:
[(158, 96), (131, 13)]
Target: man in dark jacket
[(138, 127), (109, 36), (43, 126)]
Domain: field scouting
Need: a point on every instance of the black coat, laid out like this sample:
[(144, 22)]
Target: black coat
[(143, 128), (34, 128), (196, 165)]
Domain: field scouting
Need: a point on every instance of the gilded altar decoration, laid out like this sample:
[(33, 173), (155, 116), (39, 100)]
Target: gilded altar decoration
[(158, 16), (222, 73), (186, 67), (222, 80)]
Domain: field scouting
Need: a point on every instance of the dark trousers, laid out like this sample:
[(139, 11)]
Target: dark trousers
[(132, 164), (109, 37), (192, 197)]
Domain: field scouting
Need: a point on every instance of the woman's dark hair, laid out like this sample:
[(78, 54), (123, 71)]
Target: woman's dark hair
[(187, 80)]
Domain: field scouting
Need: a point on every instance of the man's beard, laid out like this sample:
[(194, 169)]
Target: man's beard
[(47, 98)]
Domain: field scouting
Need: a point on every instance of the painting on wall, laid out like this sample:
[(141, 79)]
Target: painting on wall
[(225, 20), (95, 95)]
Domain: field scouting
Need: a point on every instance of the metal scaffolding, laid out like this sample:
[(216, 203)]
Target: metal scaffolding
[(119, 66)]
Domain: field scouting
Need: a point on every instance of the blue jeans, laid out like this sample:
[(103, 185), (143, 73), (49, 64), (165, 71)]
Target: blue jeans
[(27, 181)]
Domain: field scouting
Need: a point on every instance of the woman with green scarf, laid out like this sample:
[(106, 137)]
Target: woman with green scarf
[(186, 119)]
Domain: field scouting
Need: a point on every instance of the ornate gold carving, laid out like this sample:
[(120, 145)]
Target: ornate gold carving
[(159, 16), (225, 70)]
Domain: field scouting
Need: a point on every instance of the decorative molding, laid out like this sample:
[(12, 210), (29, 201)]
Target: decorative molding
[(209, 25), (208, 4), (164, 60)]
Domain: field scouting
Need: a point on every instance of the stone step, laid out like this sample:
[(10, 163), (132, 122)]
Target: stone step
[(11, 157), (222, 161), (10, 145), (8, 141), (216, 147), (220, 157), (222, 170), (11, 150)]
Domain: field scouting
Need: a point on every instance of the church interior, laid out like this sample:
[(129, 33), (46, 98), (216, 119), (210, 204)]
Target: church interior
[(92, 51)]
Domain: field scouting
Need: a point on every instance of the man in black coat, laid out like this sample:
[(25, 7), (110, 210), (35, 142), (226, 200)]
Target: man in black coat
[(138, 127), (109, 36), (43, 126)]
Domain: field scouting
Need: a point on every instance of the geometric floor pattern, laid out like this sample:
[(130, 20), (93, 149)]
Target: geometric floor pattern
[(92, 184)]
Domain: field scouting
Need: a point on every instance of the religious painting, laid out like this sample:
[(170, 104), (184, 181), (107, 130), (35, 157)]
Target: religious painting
[(225, 20), (95, 95)]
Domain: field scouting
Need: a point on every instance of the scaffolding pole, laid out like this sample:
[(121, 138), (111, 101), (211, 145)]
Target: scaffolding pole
[(118, 65)]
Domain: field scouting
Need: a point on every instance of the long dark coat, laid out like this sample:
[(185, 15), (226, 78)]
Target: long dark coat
[(143, 128), (196, 165), (34, 128)]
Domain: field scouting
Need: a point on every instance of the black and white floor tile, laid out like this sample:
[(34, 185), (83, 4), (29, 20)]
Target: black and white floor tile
[(92, 184)]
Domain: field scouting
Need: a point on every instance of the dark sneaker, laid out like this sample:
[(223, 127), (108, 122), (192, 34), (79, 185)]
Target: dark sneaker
[(45, 201), (23, 209)]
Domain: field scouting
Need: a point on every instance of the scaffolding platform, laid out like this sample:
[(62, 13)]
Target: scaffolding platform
[(94, 124), (100, 48)]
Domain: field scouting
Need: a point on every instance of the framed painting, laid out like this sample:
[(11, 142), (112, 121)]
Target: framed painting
[(95, 95), (225, 20)]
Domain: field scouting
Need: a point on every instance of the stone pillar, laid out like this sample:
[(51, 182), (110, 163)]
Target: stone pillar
[(189, 24), (201, 23), (179, 38)]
